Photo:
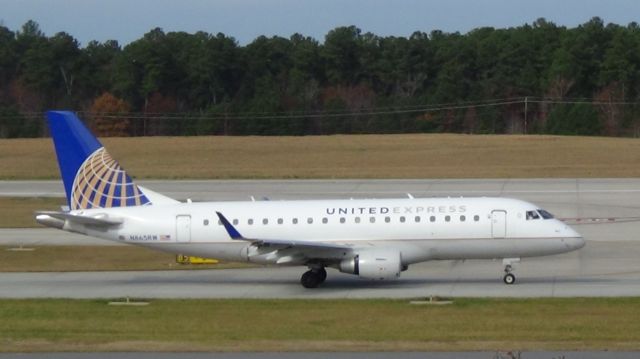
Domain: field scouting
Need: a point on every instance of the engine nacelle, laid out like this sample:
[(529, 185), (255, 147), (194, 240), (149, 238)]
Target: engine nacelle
[(374, 264)]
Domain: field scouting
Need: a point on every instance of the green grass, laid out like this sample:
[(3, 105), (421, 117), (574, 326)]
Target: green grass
[(320, 325), (342, 156), (95, 258), (18, 212)]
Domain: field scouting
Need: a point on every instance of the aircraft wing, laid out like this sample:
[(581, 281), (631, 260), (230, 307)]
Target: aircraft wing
[(294, 243), (100, 220), (304, 246)]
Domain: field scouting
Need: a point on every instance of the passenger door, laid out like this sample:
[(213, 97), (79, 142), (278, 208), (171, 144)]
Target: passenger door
[(183, 228), (499, 224)]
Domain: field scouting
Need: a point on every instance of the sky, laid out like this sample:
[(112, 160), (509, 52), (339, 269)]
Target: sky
[(128, 20)]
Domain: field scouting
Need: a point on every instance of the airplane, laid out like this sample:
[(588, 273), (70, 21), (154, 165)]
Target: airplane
[(370, 238)]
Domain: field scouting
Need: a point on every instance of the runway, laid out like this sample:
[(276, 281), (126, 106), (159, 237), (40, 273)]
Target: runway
[(603, 269), (222, 190), (608, 266)]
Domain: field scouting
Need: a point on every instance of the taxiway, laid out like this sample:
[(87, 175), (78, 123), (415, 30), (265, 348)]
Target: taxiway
[(605, 211)]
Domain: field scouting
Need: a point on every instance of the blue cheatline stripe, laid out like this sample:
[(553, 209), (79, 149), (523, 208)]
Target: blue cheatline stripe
[(233, 232)]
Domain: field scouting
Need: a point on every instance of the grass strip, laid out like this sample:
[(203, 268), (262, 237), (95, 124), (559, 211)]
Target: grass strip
[(320, 325), (95, 258), (345, 156), (18, 212)]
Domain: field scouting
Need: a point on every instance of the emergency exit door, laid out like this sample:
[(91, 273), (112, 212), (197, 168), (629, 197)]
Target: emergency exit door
[(498, 224), (183, 228)]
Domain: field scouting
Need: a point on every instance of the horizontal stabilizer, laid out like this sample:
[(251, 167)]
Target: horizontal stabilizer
[(100, 220)]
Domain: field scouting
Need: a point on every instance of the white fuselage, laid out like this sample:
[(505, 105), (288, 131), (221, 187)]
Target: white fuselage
[(421, 229)]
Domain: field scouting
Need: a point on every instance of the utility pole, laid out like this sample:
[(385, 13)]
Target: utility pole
[(526, 107)]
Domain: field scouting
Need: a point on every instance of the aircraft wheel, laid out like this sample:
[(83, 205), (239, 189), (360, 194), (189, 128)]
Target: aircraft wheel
[(509, 278), (310, 279), (322, 275)]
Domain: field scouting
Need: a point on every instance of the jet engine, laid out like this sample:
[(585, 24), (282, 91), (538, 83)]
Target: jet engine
[(374, 264)]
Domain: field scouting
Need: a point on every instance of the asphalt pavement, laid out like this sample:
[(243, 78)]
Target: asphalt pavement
[(604, 211)]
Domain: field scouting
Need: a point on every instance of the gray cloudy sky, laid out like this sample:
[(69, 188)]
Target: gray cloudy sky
[(127, 20)]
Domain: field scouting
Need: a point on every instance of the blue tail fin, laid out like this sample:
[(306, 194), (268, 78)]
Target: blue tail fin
[(92, 179)]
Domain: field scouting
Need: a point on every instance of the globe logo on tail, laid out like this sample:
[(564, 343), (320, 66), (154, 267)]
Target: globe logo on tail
[(101, 183)]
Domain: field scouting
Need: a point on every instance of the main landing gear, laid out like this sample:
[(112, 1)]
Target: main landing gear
[(313, 277), (509, 278)]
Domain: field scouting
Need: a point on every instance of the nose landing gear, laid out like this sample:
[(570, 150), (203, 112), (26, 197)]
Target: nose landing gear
[(509, 278)]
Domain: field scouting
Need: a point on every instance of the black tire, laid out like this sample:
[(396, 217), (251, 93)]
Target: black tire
[(310, 279), (509, 279), (322, 275)]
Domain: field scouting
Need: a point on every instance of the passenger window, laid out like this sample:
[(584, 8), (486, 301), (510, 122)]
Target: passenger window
[(387, 219), (476, 218), (342, 219), (265, 221), (250, 221), (309, 220), (372, 219), (402, 219), (325, 220), (462, 218), (417, 219), (532, 215), (205, 222), (447, 218), (432, 218), (357, 219), (294, 221), (235, 222), (280, 221)]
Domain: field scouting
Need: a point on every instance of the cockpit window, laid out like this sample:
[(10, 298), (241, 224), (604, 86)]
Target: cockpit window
[(532, 215), (545, 214)]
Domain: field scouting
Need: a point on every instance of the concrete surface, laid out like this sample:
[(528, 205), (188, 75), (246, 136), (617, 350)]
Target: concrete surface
[(608, 266), (601, 269)]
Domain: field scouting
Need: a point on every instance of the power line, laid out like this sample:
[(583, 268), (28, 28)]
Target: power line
[(372, 111)]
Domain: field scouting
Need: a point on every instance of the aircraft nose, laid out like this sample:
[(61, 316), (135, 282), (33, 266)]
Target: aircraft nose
[(574, 239), (576, 243)]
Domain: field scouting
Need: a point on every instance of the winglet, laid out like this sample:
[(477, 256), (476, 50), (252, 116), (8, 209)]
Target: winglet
[(233, 232)]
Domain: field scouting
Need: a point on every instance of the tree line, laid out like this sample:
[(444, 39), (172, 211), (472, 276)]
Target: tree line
[(535, 78)]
